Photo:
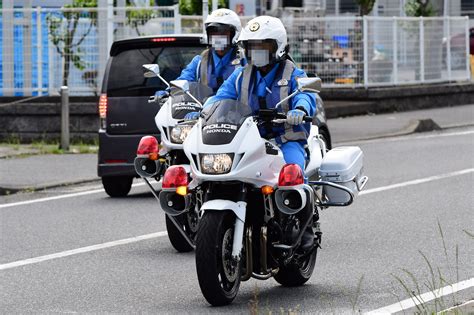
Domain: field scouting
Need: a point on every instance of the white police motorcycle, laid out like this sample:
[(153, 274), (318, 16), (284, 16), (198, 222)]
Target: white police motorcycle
[(153, 159), (255, 208)]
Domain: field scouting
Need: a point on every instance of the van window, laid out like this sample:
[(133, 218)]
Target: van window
[(126, 74)]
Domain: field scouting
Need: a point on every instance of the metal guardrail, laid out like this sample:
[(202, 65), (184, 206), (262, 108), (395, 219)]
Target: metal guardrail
[(343, 51)]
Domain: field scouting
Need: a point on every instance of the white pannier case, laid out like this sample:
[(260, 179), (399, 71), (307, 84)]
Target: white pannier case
[(343, 166)]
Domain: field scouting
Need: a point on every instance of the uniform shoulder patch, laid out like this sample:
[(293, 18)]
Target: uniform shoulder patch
[(235, 62)]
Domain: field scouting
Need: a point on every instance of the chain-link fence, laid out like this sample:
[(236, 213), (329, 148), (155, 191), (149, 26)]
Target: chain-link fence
[(42, 49), (377, 51)]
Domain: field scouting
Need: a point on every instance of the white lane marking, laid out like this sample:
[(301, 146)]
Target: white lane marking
[(83, 193), (365, 192), (407, 137), (423, 298), (417, 181), (142, 237), (82, 250)]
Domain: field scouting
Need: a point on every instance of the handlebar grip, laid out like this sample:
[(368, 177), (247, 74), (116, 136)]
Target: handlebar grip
[(305, 119)]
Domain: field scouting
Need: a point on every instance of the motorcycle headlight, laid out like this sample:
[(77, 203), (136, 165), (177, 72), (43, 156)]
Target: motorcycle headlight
[(216, 163), (179, 133)]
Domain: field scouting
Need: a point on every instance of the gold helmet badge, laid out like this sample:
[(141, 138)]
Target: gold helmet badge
[(254, 27)]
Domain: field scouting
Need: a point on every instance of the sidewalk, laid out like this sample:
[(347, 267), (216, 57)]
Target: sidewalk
[(38, 172), (35, 172)]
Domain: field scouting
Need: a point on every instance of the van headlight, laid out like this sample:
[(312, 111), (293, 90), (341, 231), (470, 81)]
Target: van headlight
[(180, 133), (216, 163)]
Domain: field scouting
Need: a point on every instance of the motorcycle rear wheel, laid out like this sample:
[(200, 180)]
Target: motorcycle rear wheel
[(296, 274), (218, 274), (177, 240)]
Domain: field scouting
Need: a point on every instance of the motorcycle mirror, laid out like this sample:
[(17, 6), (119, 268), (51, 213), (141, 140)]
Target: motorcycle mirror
[(309, 84), (181, 84), (151, 70)]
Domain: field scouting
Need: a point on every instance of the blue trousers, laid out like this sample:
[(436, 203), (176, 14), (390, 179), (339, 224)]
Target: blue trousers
[(294, 152)]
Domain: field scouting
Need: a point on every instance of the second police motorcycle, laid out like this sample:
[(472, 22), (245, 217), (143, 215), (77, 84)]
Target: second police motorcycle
[(153, 158)]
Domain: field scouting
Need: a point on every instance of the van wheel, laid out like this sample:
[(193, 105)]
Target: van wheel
[(117, 186)]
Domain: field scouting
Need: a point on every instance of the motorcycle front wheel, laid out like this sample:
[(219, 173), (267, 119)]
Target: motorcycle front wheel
[(177, 240), (218, 273)]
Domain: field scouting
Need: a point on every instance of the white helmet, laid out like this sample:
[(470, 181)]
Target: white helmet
[(266, 28), (225, 17)]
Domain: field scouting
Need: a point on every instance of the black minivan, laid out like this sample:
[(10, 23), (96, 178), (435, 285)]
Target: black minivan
[(125, 114)]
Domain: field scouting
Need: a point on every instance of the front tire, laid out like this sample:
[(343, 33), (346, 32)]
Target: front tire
[(177, 240), (218, 274), (117, 186), (297, 273)]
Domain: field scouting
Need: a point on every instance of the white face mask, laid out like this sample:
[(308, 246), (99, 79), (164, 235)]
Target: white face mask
[(219, 42), (259, 57)]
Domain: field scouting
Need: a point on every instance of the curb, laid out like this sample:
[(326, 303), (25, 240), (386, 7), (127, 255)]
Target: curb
[(415, 126), (5, 191)]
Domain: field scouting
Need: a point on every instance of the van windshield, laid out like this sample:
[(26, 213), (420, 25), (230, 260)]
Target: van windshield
[(126, 78)]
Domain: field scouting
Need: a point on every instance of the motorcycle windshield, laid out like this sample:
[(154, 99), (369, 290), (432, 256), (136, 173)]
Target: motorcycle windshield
[(181, 103), (222, 120)]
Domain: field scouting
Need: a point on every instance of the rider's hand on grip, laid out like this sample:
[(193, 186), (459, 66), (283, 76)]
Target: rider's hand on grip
[(161, 94), (295, 117)]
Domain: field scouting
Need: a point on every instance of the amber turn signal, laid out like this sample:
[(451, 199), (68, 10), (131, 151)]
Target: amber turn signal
[(267, 190), (182, 190)]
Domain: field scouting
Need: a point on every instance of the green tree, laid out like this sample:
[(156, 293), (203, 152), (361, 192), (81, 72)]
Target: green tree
[(365, 6), (63, 30), (194, 7), (419, 8)]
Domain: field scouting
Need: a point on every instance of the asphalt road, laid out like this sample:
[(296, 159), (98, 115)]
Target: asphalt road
[(369, 243)]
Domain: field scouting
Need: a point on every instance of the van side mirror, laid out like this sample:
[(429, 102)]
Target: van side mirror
[(309, 84)]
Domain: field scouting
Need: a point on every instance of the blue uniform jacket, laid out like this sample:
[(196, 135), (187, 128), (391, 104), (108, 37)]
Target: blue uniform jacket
[(223, 67), (231, 90)]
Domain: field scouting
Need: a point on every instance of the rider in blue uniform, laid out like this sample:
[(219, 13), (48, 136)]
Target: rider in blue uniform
[(215, 64), (267, 79)]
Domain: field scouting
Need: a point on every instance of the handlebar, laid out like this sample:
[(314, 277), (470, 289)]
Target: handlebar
[(156, 99), (279, 118), (283, 116), (152, 99)]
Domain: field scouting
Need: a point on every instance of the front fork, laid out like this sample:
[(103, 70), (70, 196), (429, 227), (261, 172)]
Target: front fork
[(239, 230)]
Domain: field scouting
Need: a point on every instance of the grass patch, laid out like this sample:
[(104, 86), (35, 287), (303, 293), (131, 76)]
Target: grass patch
[(414, 287), (44, 147), (255, 309)]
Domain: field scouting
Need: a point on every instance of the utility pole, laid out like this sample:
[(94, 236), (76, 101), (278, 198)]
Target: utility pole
[(7, 47)]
